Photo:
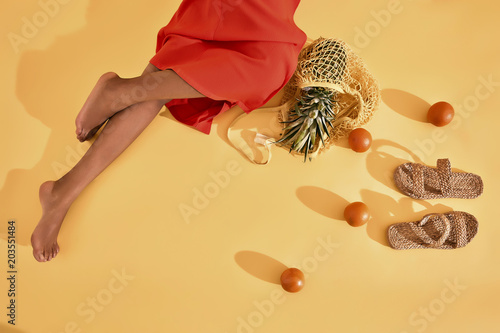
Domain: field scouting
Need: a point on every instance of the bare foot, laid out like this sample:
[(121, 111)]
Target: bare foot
[(44, 237), (101, 104)]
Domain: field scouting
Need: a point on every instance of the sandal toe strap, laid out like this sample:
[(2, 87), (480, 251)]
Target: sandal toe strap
[(420, 232), (418, 173), (461, 230), (444, 172)]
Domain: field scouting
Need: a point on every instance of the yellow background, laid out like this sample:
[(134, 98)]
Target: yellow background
[(218, 272)]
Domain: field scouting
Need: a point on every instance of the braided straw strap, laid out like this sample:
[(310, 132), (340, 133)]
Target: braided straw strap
[(422, 182), (419, 231), (445, 176), (435, 231)]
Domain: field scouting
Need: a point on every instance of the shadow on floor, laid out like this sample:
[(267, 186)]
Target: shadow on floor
[(322, 201), (260, 266), (406, 104), (52, 89), (381, 164)]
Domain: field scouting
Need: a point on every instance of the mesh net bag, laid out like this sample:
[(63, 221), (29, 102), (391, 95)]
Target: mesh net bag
[(329, 66)]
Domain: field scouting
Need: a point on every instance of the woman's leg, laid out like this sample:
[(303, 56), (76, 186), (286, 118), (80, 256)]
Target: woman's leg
[(122, 129), (112, 94)]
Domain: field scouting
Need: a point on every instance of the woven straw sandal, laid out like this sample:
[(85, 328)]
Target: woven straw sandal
[(435, 231), (422, 182)]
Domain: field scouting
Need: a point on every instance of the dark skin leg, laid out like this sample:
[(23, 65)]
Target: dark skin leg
[(121, 130), (112, 94)]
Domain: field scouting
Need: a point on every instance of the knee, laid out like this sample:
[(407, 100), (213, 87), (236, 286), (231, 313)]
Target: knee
[(155, 106), (150, 68)]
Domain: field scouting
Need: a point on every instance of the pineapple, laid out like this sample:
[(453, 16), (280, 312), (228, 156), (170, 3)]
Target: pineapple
[(311, 118)]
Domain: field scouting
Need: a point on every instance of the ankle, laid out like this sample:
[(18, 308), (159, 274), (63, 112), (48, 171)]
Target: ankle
[(57, 193), (121, 93)]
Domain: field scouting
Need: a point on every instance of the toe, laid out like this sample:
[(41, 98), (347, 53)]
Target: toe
[(54, 253), (45, 255), (38, 254)]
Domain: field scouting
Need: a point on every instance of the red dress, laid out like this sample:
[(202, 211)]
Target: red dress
[(234, 52)]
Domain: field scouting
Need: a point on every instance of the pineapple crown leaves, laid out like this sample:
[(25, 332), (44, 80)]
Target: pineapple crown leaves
[(311, 118)]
